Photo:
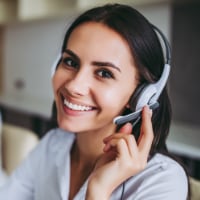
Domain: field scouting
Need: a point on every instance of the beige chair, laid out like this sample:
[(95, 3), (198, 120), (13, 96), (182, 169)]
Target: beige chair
[(17, 142), (195, 189)]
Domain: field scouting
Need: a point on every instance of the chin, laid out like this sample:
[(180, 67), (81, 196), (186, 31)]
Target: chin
[(70, 126), (66, 126)]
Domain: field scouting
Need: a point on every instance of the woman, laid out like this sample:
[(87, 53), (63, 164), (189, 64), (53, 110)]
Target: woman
[(107, 54)]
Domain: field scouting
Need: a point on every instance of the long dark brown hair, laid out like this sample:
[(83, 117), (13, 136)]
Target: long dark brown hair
[(147, 52)]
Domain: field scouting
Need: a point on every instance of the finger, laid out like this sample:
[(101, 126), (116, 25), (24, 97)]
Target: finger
[(120, 147), (132, 145), (112, 137), (130, 142), (145, 112), (125, 129), (146, 133)]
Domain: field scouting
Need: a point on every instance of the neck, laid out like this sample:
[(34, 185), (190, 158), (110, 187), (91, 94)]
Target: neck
[(88, 147)]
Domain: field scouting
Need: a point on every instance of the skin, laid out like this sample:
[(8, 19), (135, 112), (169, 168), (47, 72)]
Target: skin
[(96, 77)]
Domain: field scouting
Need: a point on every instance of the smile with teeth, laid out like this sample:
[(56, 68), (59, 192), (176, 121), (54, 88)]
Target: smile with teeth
[(76, 107)]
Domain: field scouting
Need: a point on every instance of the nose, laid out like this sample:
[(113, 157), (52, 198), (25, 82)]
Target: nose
[(79, 84)]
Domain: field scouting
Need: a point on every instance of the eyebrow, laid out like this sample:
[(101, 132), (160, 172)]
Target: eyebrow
[(106, 64), (96, 63), (71, 53)]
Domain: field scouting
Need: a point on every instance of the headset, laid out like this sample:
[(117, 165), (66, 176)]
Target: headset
[(148, 94), (145, 94)]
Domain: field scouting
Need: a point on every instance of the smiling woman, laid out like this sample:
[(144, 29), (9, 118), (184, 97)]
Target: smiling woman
[(109, 55), (91, 76)]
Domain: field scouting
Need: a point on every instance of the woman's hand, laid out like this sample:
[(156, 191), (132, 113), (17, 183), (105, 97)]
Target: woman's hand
[(123, 157)]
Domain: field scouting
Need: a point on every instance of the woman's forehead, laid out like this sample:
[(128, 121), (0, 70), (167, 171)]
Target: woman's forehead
[(100, 39)]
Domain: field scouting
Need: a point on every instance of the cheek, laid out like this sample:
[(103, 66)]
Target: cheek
[(114, 100)]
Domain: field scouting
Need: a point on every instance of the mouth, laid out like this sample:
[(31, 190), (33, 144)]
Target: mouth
[(77, 107)]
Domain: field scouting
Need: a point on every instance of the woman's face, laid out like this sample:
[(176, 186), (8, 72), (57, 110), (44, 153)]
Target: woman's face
[(94, 80)]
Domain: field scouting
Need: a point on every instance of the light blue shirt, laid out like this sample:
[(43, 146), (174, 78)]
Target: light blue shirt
[(45, 175)]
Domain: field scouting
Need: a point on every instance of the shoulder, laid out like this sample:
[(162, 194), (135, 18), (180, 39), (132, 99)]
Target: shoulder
[(44, 159), (168, 168), (54, 140), (163, 178), (168, 172), (53, 143), (164, 163)]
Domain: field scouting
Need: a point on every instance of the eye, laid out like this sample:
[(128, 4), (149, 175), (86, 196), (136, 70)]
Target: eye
[(104, 73), (69, 62)]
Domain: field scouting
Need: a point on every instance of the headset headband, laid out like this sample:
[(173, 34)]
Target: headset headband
[(166, 43)]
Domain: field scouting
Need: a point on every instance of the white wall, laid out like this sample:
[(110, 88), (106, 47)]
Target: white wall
[(160, 16), (30, 49)]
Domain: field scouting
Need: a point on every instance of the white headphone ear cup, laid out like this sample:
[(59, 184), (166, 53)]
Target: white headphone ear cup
[(151, 92), (55, 63), (146, 94)]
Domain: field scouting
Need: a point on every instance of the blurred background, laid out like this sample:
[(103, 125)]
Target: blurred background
[(31, 34)]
